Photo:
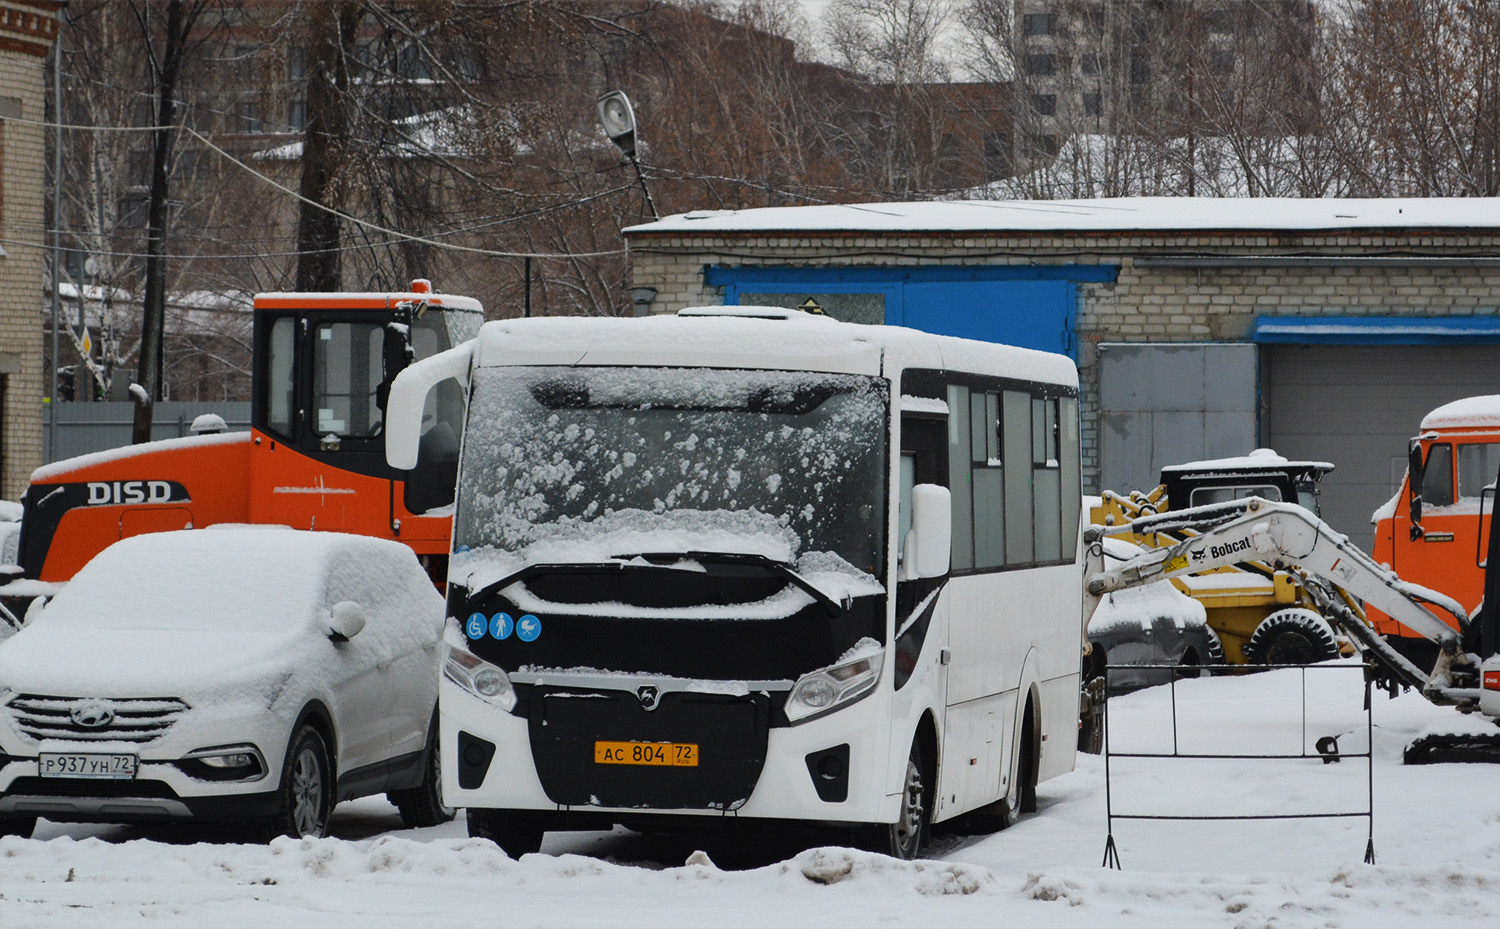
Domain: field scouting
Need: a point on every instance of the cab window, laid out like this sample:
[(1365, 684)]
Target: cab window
[(347, 369), (1437, 475), (1478, 463), (1203, 496)]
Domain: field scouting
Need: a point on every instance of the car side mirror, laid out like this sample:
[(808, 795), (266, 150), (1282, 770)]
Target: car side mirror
[(347, 621), (1414, 478), (928, 546)]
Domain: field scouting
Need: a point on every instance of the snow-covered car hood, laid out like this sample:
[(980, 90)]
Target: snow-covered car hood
[(73, 660)]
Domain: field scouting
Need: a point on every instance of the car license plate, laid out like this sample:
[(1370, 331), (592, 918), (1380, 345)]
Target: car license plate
[(106, 767), (668, 754)]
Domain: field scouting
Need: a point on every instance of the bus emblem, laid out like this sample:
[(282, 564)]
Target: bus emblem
[(649, 697)]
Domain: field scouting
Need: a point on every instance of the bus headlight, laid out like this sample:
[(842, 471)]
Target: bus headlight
[(823, 691), (480, 678)]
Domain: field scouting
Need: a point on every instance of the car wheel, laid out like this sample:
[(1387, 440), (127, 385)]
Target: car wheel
[(905, 837), (17, 825), (422, 805), (1292, 637), (306, 789), (516, 833)]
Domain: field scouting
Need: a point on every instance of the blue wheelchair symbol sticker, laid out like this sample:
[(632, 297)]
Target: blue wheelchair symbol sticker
[(501, 625), (476, 626), (528, 628)]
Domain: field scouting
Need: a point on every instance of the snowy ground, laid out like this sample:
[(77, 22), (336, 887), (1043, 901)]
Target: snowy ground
[(1436, 834)]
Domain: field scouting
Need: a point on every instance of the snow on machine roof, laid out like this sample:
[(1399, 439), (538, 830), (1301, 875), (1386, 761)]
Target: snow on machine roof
[(1468, 413)]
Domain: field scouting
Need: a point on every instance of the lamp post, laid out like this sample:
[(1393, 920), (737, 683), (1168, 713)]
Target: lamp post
[(618, 118)]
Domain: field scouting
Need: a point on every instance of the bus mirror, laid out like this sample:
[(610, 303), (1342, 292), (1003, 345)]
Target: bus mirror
[(930, 542), (403, 413), (1414, 487)]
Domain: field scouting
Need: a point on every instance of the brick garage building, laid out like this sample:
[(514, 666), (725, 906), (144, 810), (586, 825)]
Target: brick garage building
[(1202, 328), (27, 31)]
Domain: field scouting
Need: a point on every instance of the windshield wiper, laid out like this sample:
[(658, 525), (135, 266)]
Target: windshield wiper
[(779, 568), (567, 567)]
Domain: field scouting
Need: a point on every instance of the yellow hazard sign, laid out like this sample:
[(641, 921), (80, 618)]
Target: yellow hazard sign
[(811, 306)]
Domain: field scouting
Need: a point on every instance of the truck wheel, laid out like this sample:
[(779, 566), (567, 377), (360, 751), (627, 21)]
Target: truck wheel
[(516, 833), (17, 825), (904, 838), (422, 805), (1292, 637)]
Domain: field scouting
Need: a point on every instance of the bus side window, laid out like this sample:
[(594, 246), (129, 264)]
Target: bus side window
[(1437, 476), (960, 477), (923, 446)]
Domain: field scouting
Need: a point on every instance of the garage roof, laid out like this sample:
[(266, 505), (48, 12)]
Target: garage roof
[(1122, 215)]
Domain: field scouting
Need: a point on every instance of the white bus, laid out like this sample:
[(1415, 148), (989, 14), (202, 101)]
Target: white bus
[(749, 563)]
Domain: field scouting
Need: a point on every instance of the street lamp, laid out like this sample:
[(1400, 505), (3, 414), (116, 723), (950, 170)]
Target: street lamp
[(618, 118)]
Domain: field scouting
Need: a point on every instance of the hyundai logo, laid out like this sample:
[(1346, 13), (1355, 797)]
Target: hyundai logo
[(93, 714), (649, 696)]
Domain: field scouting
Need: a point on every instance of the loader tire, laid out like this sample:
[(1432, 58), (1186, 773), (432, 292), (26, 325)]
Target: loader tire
[(1289, 637)]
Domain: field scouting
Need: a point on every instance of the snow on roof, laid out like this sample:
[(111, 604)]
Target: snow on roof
[(1260, 459), (779, 340), (447, 301), (1468, 413), (1124, 214), (68, 465)]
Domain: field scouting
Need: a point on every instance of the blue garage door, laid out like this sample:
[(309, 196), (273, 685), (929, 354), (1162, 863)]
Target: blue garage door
[(1033, 307)]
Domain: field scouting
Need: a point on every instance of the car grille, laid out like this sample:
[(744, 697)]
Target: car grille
[(129, 719)]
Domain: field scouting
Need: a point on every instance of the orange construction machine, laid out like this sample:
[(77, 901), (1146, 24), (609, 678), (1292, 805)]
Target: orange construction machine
[(1434, 530), (314, 457)]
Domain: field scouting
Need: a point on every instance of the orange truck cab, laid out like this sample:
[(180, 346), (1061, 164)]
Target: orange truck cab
[(1433, 531), (314, 457)]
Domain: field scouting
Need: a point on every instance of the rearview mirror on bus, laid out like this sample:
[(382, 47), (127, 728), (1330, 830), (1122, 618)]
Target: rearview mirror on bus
[(929, 543)]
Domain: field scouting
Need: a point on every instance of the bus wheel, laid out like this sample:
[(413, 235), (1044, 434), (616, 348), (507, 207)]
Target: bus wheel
[(517, 834), (904, 838)]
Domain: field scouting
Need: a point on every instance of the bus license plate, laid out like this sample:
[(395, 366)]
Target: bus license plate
[(105, 767), (669, 754)]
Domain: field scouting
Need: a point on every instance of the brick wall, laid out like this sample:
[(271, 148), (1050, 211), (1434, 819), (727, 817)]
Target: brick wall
[(23, 81), (1144, 304)]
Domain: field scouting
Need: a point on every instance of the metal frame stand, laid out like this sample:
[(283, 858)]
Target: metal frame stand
[(1326, 748)]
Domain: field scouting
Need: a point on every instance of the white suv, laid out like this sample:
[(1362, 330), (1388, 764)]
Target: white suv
[(254, 675)]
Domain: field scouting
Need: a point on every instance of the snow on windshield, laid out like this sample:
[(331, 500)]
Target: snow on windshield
[(591, 465)]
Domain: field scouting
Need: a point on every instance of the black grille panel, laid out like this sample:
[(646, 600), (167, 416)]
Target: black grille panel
[(730, 732), (133, 719), (87, 787)]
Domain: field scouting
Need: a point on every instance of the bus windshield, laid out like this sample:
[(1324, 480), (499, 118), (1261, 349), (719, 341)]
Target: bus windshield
[(589, 465)]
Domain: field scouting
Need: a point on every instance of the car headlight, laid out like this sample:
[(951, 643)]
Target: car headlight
[(827, 689), (480, 678)]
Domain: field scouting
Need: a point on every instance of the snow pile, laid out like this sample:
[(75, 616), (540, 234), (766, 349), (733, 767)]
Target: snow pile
[(1436, 834)]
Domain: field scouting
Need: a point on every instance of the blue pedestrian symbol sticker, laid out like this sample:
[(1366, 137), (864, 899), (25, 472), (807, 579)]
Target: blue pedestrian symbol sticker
[(501, 625), (528, 628), (476, 626)]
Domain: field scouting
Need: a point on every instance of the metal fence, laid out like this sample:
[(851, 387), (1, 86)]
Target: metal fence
[(94, 427), (1326, 748)]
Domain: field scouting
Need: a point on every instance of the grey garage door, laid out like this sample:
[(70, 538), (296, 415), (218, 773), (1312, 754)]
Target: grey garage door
[(1357, 406)]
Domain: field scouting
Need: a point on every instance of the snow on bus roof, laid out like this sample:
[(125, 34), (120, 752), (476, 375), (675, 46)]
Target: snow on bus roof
[(1468, 413), (1122, 214), (754, 337)]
